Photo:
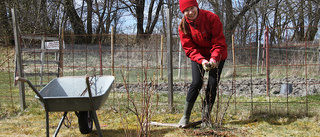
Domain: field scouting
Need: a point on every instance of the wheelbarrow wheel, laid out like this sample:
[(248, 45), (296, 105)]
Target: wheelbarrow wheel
[(85, 122)]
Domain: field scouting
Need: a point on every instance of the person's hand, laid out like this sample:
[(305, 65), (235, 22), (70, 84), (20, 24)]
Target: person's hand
[(213, 63), (206, 65)]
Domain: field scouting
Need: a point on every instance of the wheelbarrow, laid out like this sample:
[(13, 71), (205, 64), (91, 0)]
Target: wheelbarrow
[(83, 95)]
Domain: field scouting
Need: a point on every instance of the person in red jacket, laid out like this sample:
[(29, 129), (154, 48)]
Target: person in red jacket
[(203, 41)]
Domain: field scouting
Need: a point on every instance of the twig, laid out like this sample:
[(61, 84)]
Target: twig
[(224, 113), (86, 89)]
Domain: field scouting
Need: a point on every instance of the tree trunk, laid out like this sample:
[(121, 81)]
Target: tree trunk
[(300, 24), (100, 27), (89, 20), (230, 25), (44, 20), (76, 22), (275, 23), (216, 8), (5, 27), (140, 16), (151, 23), (314, 17), (233, 20)]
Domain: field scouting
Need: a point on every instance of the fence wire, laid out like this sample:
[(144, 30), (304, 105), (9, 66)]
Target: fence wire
[(294, 67)]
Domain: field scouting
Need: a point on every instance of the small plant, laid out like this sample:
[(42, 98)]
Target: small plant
[(140, 106)]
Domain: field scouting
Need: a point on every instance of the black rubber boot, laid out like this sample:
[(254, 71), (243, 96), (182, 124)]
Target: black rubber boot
[(186, 114)]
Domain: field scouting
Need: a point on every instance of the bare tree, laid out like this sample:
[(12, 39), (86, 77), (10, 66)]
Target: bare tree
[(313, 15), (299, 31), (276, 22), (100, 14), (89, 18), (75, 20), (41, 16), (217, 8), (296, 15), (137, 8), (5, 28), (106, 12), (233, 19)]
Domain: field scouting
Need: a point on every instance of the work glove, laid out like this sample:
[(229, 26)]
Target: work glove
[(213, 63), (206, 65)]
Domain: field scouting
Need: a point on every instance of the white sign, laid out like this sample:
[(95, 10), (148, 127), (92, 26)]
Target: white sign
[(53, 45)]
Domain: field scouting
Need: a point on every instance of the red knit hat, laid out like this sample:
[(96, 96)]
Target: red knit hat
[(187, 3)]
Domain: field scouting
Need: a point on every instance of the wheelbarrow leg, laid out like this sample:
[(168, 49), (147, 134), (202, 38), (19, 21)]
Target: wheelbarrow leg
[(93, 111), (96, 122), (61, 121), (47, 123)]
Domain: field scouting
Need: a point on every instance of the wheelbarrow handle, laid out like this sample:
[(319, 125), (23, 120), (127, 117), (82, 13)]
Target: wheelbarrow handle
[(89, 91), (88, 87), (87, 77), (33, 88), (21, 79)]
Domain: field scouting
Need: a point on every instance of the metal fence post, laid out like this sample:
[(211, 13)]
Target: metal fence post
[(267, 65)]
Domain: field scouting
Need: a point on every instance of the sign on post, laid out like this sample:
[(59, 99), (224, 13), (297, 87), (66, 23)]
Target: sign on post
[(53, 45)]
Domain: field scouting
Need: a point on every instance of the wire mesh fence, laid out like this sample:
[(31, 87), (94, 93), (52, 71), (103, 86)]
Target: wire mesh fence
[(294, 68)]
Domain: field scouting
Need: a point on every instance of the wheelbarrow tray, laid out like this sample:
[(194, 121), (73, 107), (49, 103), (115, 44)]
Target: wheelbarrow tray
[(67, 93)]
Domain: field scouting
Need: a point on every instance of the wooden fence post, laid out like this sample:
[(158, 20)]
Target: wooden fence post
[(180, 58), (161, 60), (169, 48), (112, 51), (19, 69), (319, 59)]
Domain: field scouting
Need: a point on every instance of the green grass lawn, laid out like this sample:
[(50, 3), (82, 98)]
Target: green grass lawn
[(257, 116)]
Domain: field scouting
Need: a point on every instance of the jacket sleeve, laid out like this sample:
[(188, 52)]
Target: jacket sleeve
[(218, 39), (190, 48)]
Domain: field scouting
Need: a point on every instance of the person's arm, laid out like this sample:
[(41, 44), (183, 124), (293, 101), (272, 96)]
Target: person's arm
[(218, 39), (190, 48)]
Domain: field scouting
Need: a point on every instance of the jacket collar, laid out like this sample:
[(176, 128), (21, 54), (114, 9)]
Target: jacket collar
[(196, 22)]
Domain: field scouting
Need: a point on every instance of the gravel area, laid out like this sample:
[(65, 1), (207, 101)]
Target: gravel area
[(244, 87)]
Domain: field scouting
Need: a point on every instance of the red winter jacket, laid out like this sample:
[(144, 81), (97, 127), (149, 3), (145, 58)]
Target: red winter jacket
[(206, 39)]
